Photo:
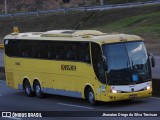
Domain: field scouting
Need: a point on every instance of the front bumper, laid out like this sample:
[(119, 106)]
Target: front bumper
[(126, 96)]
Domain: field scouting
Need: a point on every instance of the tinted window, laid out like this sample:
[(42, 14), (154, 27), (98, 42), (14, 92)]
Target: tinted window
[(47, 50), (10, 47), (98, 62), (36, 49), (24, 48), (127, 63), (84, 52), (71, 51)]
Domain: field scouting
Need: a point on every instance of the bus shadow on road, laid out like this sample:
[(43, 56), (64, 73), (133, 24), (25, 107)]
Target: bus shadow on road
[(123, 103), (77, 101)]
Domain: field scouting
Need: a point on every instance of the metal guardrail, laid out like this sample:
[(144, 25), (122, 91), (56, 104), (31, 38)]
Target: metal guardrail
[(1, 46), (86, 8)]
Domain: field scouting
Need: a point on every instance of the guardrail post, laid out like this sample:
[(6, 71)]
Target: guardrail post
[(12, 16), (65, 10), (101, 2), (113, 6), (37, 13)]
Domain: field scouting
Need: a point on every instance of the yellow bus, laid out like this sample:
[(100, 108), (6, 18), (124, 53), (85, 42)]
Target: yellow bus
[(85, 64)]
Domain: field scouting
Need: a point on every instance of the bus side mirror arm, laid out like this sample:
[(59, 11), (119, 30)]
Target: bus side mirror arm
[(104, 63), (105, 67), (152, 59)]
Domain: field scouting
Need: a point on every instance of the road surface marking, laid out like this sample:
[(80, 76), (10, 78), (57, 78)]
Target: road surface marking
[(75, 106), (14, 118), (155, 98)]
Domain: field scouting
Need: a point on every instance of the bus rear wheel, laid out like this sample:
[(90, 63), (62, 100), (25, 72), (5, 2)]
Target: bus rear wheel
[(37, 89), (27, 88), (90, 96)]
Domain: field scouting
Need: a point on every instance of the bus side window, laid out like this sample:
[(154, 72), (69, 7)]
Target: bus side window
[(10, 47), (87, 55), (36, 49), (59, 51), (24, 49), (49, 51), (53, 49), (46, 50), (98, 62), (70, 51), (84, 52), (59, 54)]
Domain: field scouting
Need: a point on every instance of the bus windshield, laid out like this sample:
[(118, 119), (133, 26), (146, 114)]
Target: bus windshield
[(127, 63)]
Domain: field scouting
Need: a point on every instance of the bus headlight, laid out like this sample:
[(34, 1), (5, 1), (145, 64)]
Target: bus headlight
[(113, 91), (148, 87)]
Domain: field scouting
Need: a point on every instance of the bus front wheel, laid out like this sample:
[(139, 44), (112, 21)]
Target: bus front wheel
[(37, 89), (90, 96), (27, 88)]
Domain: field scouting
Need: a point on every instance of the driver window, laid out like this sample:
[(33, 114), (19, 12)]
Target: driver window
[(97, 62)]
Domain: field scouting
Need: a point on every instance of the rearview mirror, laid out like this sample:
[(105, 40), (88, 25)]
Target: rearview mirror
[(104, 63), (152, 59), (103, 60)]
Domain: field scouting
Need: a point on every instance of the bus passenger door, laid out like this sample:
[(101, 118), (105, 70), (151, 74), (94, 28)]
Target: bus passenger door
[(102, 79), (99, 70)]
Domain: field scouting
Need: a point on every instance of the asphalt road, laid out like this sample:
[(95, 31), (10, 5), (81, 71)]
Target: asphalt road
[(15, 100), (1, 59)]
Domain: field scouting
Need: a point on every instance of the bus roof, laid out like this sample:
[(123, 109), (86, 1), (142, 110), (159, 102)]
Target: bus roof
[(74, 35)]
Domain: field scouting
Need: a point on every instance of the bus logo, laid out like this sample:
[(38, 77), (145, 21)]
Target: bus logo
[(132, 89), (68, 67)]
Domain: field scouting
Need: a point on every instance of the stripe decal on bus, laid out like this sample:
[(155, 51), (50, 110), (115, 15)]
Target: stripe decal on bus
[(62, 92)]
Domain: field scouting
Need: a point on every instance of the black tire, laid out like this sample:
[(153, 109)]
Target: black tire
[(37, 89), (90, 96), (28, 89)]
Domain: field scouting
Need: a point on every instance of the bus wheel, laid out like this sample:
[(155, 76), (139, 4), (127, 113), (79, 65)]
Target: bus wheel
[(27, 88), (37, 89), (90, 96)]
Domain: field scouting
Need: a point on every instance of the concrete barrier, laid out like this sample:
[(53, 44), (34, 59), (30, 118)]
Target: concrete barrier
[(156, 87), (1, 46)]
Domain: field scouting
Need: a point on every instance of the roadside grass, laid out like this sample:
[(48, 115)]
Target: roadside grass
[(145, 25)]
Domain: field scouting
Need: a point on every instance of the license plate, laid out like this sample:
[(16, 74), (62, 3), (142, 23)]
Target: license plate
[(133, 96)]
